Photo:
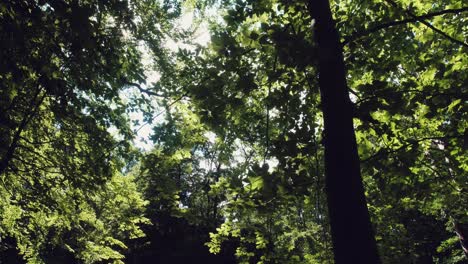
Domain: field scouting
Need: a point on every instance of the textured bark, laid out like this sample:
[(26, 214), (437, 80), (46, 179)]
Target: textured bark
[(351, 229)]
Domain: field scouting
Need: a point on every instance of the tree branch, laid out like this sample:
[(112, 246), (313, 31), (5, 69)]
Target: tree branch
[(22, 126), (143, 90), (410, 142), (267, 132), (162, 112), (357, 35), (427, 24)]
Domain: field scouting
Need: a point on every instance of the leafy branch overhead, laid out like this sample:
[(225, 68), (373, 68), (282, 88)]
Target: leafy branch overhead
[(422, 18), (254, 131)]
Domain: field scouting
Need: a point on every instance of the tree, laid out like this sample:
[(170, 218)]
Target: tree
[(359, 105), (234, 102), (176, 178), (250, 84), (347, 208), (64, 69)]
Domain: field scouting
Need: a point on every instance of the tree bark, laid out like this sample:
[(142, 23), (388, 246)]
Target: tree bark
[(351, 229)]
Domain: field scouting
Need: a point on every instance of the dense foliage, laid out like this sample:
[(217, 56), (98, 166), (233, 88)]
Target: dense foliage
[(64, 65), (236, 171)]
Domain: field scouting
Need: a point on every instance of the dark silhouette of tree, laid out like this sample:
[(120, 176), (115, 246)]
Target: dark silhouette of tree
[(351, 229)]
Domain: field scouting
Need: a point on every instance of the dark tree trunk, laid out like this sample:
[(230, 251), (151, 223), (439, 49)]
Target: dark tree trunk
[(351, 229)]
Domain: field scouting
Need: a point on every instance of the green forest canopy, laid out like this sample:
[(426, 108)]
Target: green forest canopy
[(288, 138)]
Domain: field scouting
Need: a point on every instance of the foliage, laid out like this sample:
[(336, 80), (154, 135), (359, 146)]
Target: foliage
[(256, 85), (260, 102), (236, 166), (64, 69), (175, 177)]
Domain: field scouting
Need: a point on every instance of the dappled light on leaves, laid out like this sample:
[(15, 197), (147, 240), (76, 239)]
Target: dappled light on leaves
[(271, 131)]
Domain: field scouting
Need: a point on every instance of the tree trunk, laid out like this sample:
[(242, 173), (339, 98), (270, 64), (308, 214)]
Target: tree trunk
[(351, 229)]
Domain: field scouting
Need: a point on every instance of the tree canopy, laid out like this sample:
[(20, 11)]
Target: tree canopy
[(301, 132)]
